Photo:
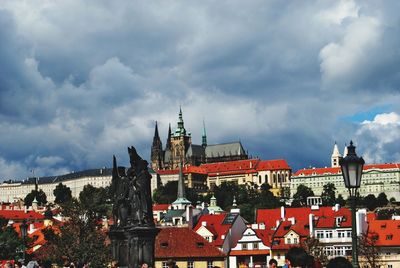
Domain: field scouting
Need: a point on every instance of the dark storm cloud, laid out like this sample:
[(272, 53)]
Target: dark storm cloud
[(81, 81)]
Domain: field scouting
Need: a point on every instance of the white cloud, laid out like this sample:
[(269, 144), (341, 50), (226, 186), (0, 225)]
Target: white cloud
[(340, 11), (379, 138), (345, 62)]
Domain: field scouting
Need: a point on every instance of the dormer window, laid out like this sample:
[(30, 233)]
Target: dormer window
[(164, 244), (389, 237), (200, 244)]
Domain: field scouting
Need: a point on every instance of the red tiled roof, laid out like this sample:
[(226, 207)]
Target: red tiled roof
[(270, 216), (215, 226), (264, 235), (20, 215), (160, 207), (231, 167), (388, 232), (277, 164), (177, 242), (336, 170)]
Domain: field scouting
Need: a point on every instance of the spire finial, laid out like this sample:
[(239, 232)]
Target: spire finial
[(204, 137)]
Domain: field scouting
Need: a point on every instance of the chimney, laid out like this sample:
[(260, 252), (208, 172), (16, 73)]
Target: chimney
[(282, 212), (277, 223), (292, 220), (336, 207), (262, 226), (203, 223), (311, 224)]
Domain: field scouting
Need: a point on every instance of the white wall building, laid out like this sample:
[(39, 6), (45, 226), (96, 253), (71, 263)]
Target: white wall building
[(376, 179), (15, 190)]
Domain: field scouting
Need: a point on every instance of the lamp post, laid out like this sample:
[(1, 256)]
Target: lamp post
[(24, 233), (352, 167)]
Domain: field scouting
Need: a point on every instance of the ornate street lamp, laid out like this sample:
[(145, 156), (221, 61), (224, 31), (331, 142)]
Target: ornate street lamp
[(24, 233), (352, 167)]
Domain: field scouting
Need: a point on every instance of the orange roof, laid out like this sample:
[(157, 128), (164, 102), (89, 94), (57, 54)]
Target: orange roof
[(388, 232), (177, 242), (336, 170)]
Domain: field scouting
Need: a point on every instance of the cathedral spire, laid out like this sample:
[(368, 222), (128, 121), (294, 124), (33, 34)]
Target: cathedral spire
[(156, 150), (204, 137), (180, 131)]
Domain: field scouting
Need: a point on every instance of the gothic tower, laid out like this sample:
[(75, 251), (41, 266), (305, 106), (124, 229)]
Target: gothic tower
[(156, 151), (180, 142)]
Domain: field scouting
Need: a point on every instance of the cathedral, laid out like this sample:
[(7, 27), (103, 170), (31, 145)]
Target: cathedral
[(179, 149)]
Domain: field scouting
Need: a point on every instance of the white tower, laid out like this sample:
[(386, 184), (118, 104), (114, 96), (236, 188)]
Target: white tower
[(335, 156)]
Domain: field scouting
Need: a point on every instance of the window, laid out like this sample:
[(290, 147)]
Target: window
[(255, 245), (190, 264), (289, 241), (390, 266), (389, 237), (210, 264), (295, 240), (164, 264), (244, 246)]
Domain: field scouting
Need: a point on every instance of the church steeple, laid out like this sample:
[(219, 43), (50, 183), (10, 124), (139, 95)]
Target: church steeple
[(204, 137), (335, 156), (156, 150), (181, 202), (180, 131), (181, 183)]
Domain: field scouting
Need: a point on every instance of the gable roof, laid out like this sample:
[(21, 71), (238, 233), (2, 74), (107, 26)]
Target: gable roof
[(183, 243)]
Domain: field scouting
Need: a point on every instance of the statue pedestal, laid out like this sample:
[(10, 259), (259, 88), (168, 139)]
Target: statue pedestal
[(132, 246)]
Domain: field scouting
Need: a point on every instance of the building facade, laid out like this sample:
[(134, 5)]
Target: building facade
[(11, 191), (376, 179)]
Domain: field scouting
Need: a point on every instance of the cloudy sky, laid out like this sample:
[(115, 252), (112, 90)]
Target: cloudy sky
[(82, 80)]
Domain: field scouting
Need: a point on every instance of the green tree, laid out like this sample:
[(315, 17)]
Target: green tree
[(62, 194), (314, 247), (10, 242), (95, 201), (80, 239), (369, 250), (382, 200), (41, 198), (328, 195), (166, 194), (300, 197), (370, 202)]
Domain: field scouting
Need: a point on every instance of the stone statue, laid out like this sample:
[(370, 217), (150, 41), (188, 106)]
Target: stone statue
[(133, 233), (132, 193)]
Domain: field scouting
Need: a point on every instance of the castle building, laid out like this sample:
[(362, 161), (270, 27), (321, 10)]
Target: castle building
[(180, 149)]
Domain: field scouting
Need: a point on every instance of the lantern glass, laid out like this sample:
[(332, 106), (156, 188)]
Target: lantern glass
[(353, 169)]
